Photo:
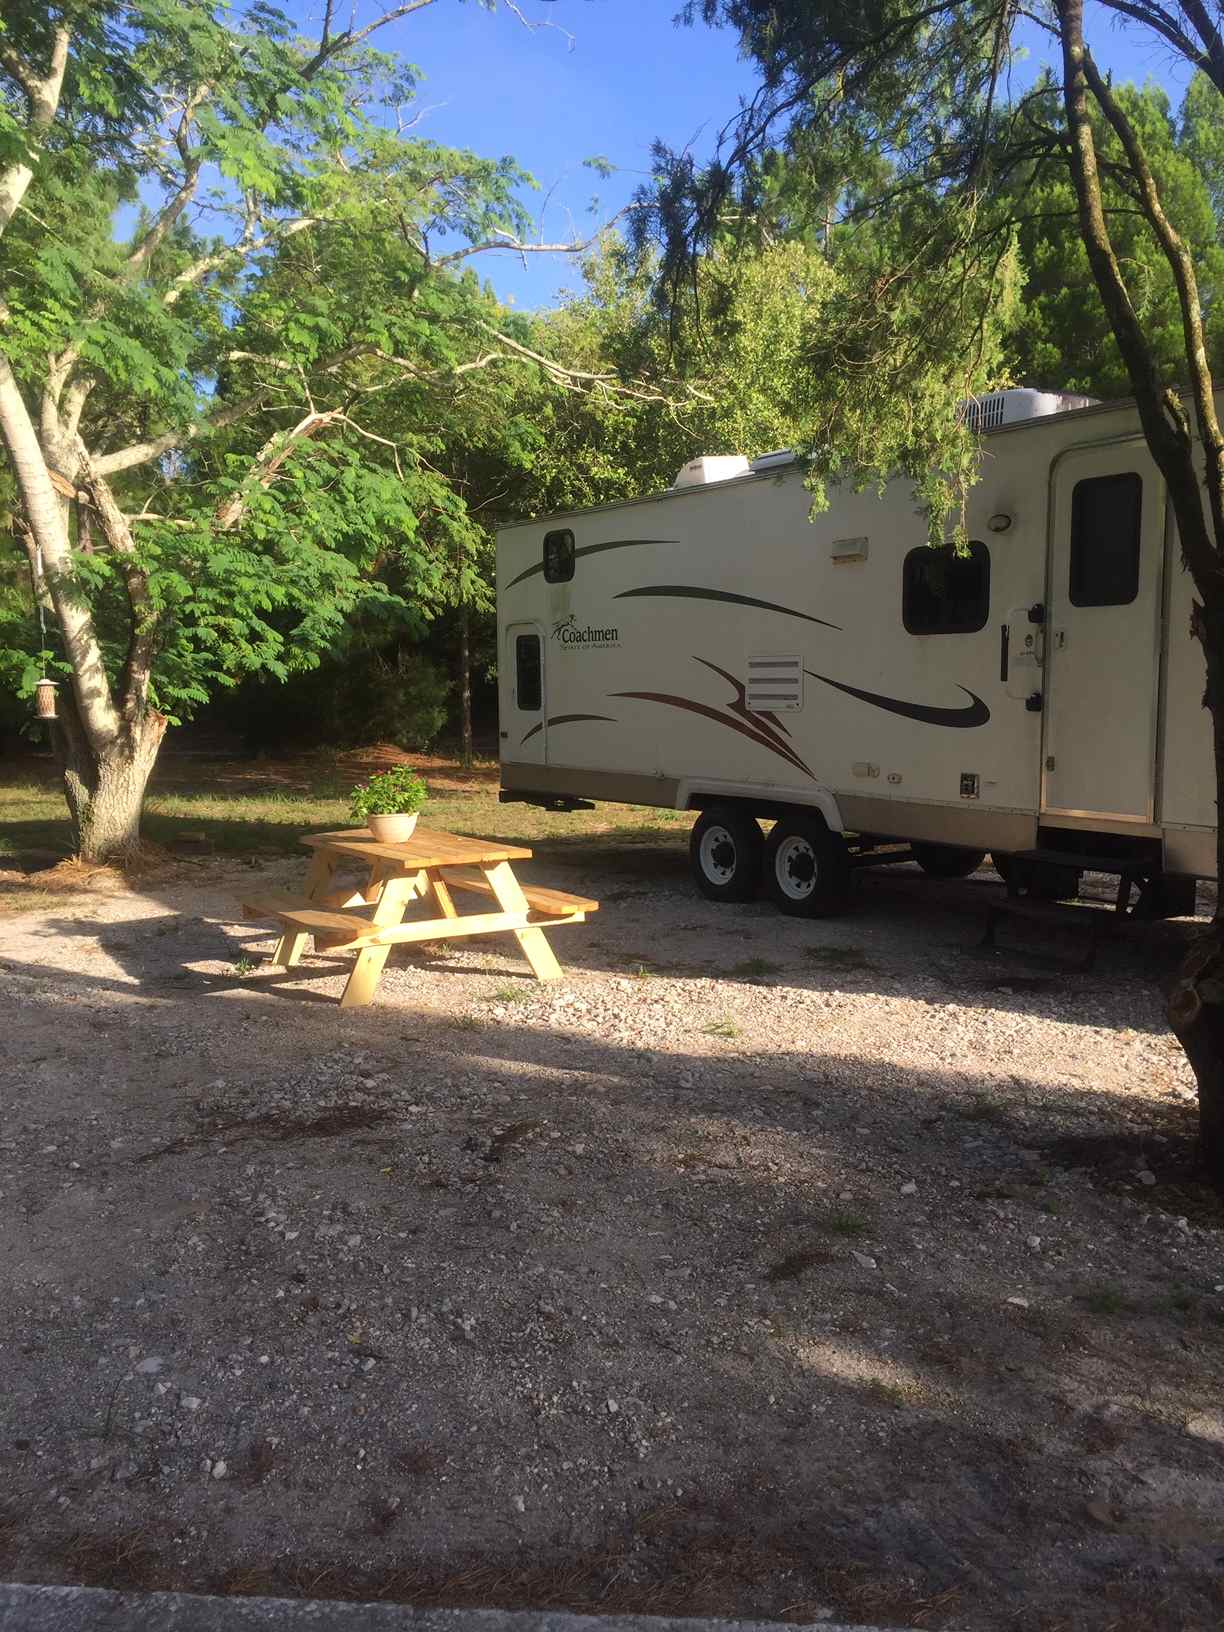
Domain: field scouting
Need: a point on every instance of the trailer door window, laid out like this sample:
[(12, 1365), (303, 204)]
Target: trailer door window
[(943, 593), (1105, 516), (558, 557), (527, 687)]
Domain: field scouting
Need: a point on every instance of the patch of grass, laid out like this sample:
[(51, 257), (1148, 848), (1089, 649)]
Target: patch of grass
[(244, 966), (510, 994), (1106, 1300), (756, 966), (722, 1028), (839, 957), (885, 1393), (642, 973), (253, 807), (846, 1223), (982, 1108), (467, 1022)]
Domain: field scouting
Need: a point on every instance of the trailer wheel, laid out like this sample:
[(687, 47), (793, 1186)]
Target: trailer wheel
[(807, 868), (725, 851), (947, 860)]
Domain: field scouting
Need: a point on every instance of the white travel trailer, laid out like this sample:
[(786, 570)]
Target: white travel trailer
[(716, 648)]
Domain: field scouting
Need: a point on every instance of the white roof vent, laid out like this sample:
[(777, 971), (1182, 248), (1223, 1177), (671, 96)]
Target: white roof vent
[(1019, 403), (712, 467), (774, 460)]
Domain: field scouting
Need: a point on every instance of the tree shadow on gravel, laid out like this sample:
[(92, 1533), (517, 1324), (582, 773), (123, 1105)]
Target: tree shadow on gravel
[(911, 937), (848, 1396)]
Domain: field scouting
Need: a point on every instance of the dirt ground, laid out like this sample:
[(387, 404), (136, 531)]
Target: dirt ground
[(759, 1268)]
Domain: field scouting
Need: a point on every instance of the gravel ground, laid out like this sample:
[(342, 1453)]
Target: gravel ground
[(759, 1268)]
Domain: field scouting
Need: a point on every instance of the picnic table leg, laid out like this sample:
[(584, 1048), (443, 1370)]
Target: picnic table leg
[(442, 896), (397, 892), (534, 942), (292, 943)]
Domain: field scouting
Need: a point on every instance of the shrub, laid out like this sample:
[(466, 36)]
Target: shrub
[(397, 792)]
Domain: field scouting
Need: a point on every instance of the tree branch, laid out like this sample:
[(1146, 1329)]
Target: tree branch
[(42, 96), (245, 246), (1165, 423), (1181, 264), (46, 518), (142, 628), (143, 453)]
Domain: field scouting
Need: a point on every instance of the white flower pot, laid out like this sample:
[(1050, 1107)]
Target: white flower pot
[(393, 829)]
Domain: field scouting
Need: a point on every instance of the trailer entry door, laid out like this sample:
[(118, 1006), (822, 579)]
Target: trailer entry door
[(527, 728), (1102, 635)]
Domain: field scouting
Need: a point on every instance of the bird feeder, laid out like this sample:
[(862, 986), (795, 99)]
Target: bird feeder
[(44, 699)]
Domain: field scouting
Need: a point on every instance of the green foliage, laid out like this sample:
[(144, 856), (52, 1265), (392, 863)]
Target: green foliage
[(323, 424), (397, 792), (940, 197)]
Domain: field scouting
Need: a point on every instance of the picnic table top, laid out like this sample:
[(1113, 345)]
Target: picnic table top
[(426, 848)]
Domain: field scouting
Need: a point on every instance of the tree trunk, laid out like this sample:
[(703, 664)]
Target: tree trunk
[(105, 791), (1196, 999), (465, 685)]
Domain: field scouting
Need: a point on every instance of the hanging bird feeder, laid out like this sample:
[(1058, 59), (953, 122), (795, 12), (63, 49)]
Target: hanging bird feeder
[(44, 699)]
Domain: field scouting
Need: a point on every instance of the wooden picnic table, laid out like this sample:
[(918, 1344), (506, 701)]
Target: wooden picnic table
[(430, 867)]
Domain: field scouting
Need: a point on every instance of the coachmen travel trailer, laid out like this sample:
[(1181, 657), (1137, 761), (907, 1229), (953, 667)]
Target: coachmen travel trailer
[(716, 648)]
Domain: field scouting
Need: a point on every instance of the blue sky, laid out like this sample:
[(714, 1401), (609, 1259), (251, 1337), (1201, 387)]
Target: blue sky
[(629, 76)]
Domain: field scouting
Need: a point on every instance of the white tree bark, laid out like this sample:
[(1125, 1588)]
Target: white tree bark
[(47, 519)]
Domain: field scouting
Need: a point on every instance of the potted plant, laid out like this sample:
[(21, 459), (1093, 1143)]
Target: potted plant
[(388, 804)]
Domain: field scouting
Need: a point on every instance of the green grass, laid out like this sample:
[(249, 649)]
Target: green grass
[(845, 1223), (510, 994), (756, 966), (258, 810), (722, 1028), (1106, 1300)]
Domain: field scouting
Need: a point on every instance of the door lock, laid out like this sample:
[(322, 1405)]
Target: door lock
[(1049, 762), (1033, 702)]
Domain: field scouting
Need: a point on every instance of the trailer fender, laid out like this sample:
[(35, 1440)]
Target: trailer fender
[(697, 793)]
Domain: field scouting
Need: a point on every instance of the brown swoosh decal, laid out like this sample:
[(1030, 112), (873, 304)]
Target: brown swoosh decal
[(748, 725), (694, 592), (769, 724), (567, 719), (592, 549), (966, 717)]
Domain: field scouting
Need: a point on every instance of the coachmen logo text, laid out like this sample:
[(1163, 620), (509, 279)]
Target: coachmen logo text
[(571, 635)]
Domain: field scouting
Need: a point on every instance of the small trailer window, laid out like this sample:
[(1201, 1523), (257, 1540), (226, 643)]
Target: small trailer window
[(558, 557), (527, 688), (943, 593), (1105, 516)]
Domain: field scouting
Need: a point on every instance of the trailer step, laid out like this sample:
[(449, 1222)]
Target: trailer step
[(1134, 866)]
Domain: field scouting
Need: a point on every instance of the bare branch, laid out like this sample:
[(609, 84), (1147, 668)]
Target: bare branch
[(143, 453), (504, 240), (245, 246), (269, 461), (543, 22)]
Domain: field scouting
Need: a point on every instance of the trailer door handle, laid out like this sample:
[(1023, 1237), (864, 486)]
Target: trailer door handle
[(1004, 644)]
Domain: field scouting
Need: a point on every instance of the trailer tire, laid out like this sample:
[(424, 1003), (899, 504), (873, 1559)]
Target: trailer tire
[(947, 860), (807, 868), (726, 848)]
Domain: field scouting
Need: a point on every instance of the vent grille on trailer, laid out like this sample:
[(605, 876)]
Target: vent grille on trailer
[(775, 684), (986, 413)]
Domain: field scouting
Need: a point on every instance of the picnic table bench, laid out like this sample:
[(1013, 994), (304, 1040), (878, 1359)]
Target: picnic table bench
[(431, 866)]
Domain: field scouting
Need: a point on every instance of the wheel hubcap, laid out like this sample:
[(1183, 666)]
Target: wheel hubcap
[(795, 868), (718, 855)]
